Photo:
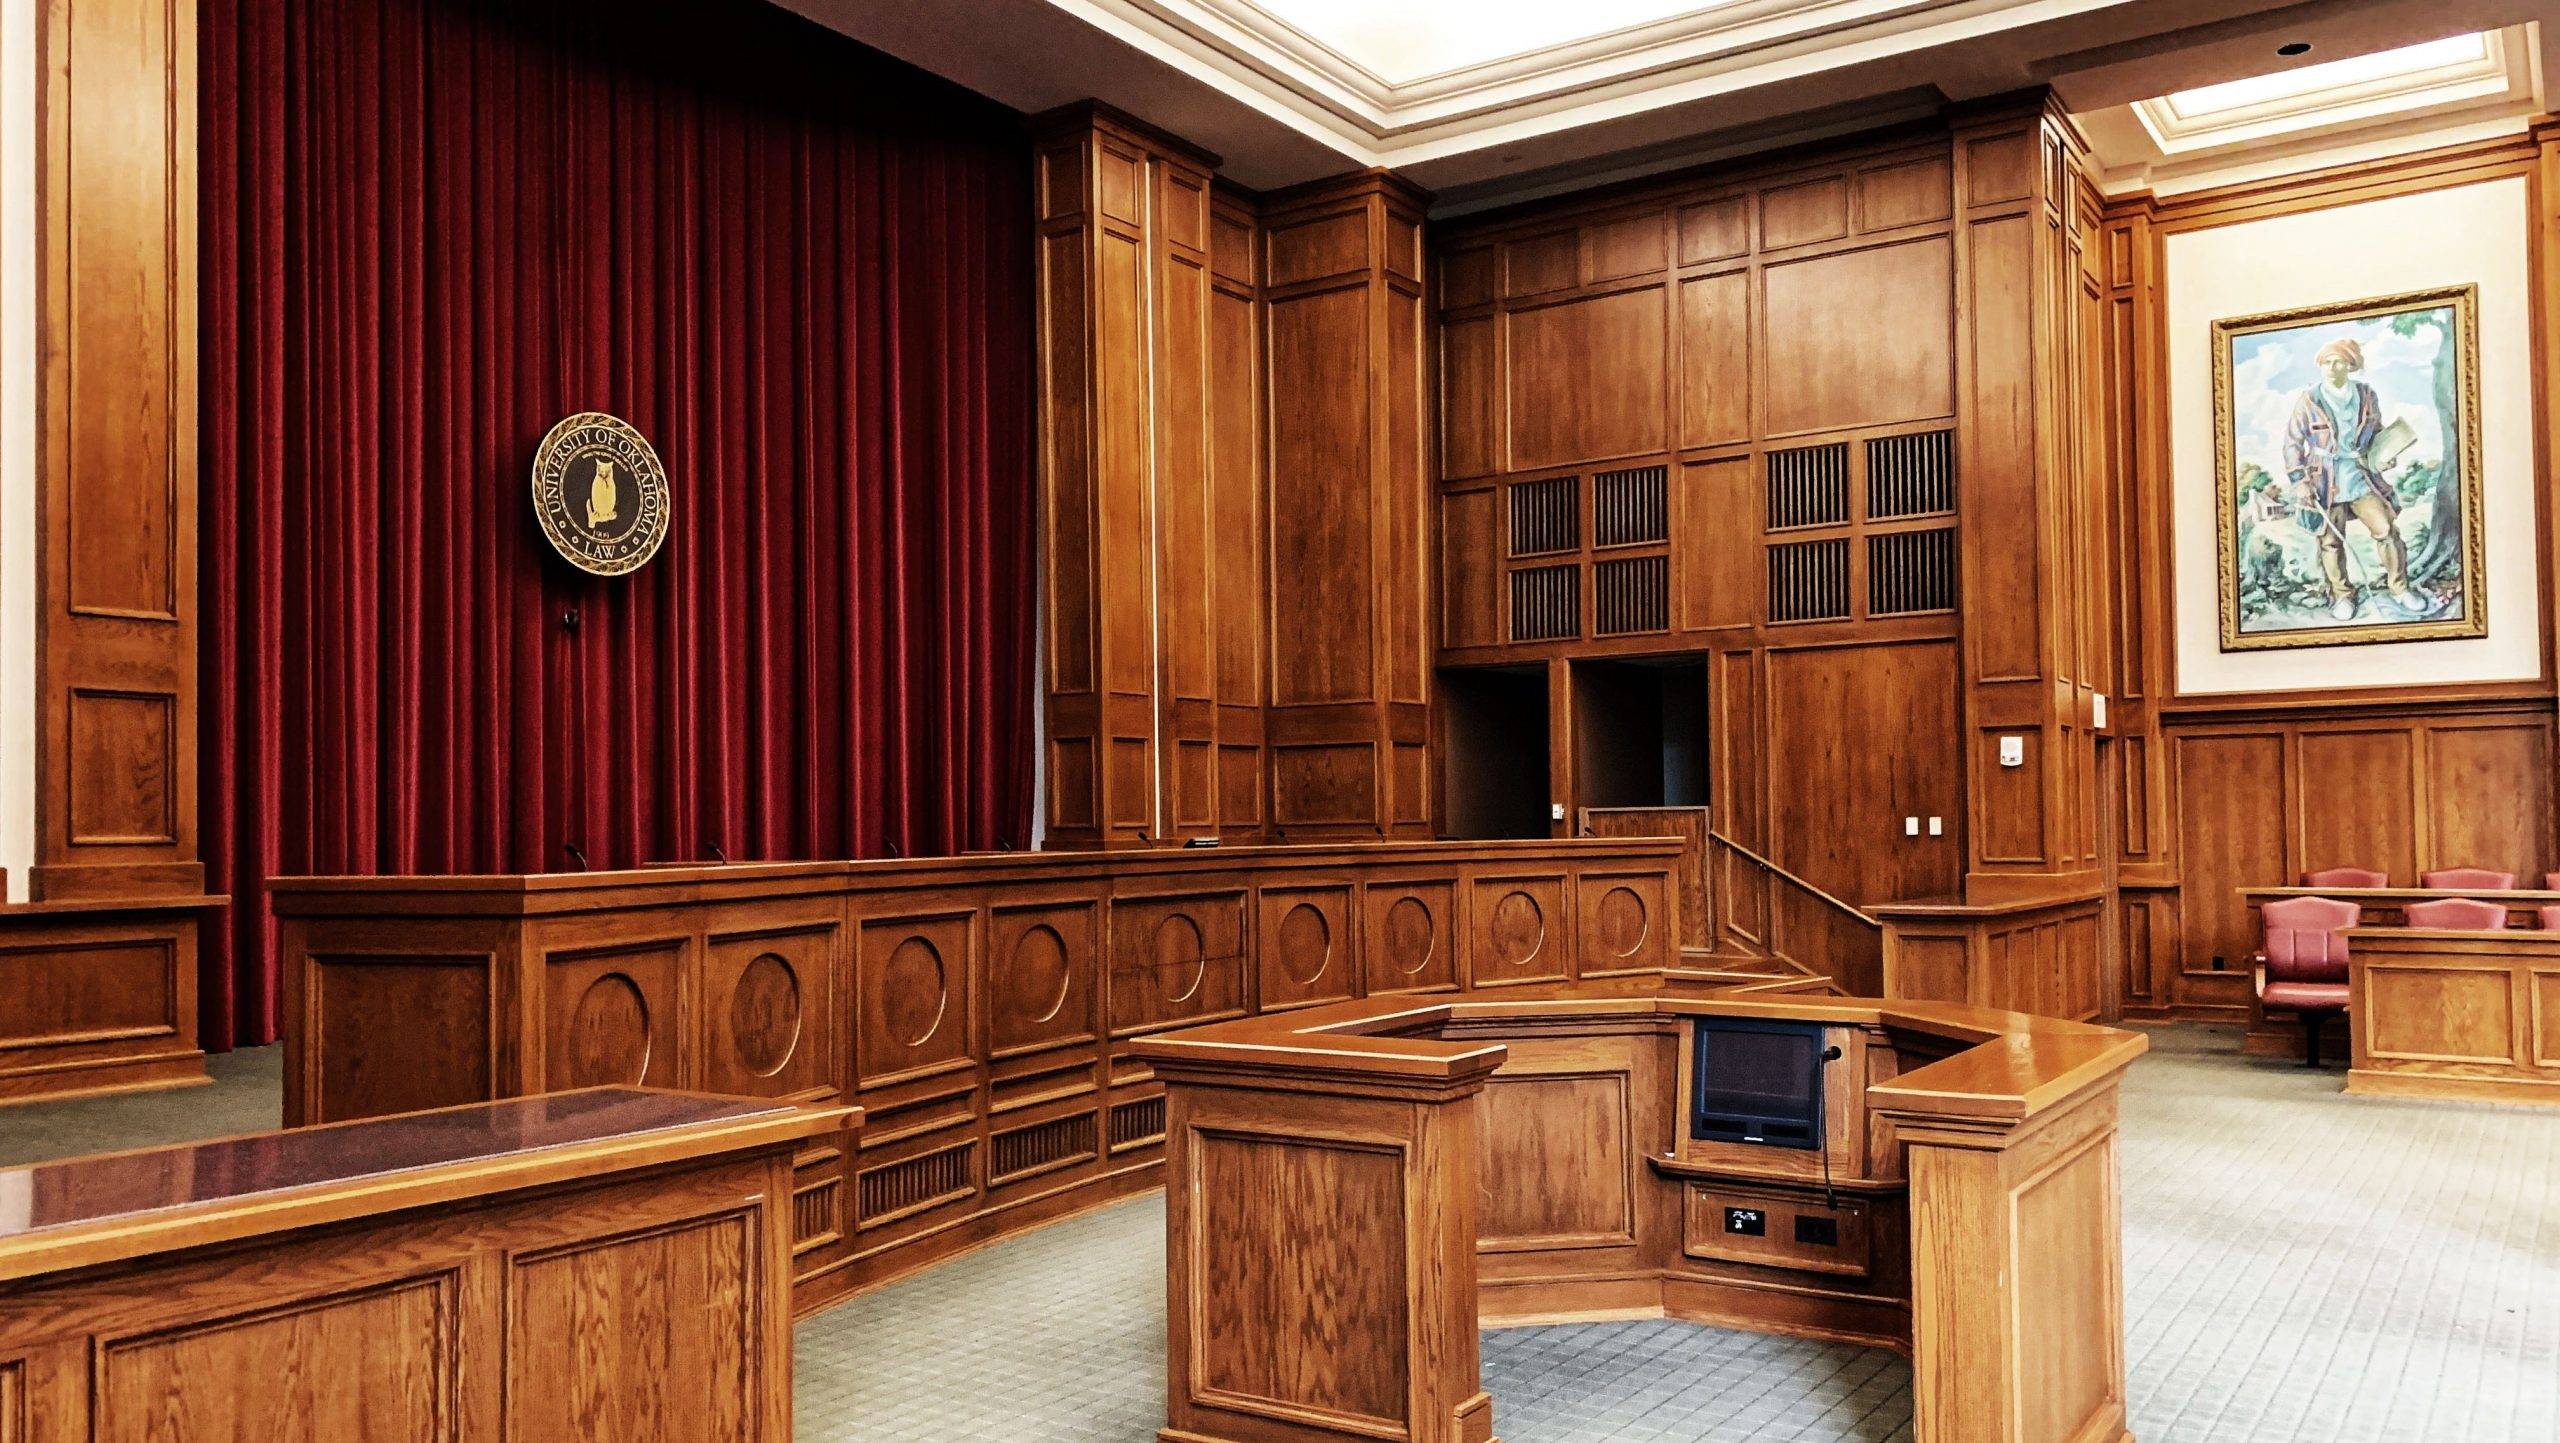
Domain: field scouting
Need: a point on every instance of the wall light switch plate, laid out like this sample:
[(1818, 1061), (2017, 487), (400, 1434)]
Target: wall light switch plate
[(1911, 826), (1937, 826), (2013, 751), (1555, 811)]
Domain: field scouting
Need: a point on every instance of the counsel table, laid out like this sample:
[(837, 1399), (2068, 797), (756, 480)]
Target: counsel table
[(604, 1264), (1338, 1178)]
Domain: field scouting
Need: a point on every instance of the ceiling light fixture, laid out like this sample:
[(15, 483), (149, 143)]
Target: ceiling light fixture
[(2298, 47)]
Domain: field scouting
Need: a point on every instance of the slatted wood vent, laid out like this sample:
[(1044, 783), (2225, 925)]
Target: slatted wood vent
[(1631, 508), (1909, 572), (900, 1189), (1631, 595), (1809, 580), (1546, 603), (1040, 1147), (1808, 486), (1546, 516)]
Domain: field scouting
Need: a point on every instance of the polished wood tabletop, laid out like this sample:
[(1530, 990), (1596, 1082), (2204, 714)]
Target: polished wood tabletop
[(88, 1210)]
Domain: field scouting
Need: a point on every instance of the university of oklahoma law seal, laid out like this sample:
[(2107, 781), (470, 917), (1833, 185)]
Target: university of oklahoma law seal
[(601, 494)]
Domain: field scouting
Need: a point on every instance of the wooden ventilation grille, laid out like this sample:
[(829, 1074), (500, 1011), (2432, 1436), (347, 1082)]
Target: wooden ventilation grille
[(1809, 580), (1631, 508), (1631, 594), (816, 1214), (1911, 571), (1545, 516), (1911, 475), (1039, 1147), (1809, 486), (894, 1190), (1546, 603), (1135, 1124)]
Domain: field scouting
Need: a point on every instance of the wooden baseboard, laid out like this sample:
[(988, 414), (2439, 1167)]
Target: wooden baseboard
[(2524, 1091), (101, 1077)]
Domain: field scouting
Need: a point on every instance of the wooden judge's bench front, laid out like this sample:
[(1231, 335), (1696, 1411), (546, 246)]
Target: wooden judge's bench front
[(1353, 1190)]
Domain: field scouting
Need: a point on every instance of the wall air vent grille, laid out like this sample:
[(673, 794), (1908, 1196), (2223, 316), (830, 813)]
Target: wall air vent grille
[(1135, 1124), (1546, 516), (1911, 476), (1808, 486), (1546, 603), (1911, 571), (1631, 595), (1631, 508), (894, 1190), (816, 1214), (1039, 1147), (1809, 580)]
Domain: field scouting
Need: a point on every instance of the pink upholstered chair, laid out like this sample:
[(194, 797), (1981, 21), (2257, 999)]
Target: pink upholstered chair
[(2550, 915), (2459, 914), (2467, 879), (2304, 964), (2551, 881), (2345, 877)]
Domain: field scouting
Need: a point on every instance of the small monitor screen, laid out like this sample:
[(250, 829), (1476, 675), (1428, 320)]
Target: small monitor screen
[(1758, 1082)]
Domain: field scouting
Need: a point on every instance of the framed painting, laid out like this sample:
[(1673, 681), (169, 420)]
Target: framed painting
[(2348, 477)]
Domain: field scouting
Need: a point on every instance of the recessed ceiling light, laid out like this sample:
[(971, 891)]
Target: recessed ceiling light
[(2298, 47), (2332, 77), (2355, 90)]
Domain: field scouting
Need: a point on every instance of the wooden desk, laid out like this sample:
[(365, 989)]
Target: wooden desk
[(1353, 1191), (2473, 1015), (980, 1009), (2280, 1034), (611, 1264)]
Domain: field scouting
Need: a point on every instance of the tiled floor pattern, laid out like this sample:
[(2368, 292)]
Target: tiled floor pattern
[(2300, 1267)]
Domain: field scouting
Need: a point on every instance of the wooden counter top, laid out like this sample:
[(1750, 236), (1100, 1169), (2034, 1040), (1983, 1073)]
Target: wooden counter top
[(87, 1211), (2018, 1067)]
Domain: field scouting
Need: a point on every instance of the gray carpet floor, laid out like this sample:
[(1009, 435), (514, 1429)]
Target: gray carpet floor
[(2299, 1266)]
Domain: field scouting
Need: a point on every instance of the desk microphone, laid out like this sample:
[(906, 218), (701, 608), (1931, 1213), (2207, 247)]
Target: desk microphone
[(1830, 1199)]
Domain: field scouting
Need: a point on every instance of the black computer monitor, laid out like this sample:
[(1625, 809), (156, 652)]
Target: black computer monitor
[(1757, 1081)]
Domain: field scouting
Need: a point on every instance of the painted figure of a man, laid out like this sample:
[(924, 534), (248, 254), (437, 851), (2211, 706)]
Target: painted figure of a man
[(2326, 444)]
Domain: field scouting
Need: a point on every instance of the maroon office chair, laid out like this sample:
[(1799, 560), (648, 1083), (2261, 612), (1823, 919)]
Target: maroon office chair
[(2457, 914), (2550, 915), (2304, 963), (2467, 879), (2345, 877), (2551, 881)]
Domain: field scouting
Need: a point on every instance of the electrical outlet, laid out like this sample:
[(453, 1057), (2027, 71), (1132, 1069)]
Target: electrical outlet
[(1937, 826), (1911, 826), (1555, 811), (2013, 751)]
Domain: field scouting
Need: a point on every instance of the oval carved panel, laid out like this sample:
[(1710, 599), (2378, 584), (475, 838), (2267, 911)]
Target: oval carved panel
[(1519, 930), (609, 1034), (1624, 921), (764, 1015), (1038, 968), (1179, 956), (1412, 936), (1305, 943), (914, 992)]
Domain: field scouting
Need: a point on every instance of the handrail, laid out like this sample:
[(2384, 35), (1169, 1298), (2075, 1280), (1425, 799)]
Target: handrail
[(1716, 838)]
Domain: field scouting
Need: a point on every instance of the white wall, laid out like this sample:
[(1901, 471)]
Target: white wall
[(18, 65), (2474, 235)]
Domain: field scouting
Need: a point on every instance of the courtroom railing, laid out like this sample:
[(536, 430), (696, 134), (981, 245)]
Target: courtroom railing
[(1763, 908), (983, 1010)]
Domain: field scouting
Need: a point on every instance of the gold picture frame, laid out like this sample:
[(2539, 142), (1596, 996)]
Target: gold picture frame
[(2360, 563)]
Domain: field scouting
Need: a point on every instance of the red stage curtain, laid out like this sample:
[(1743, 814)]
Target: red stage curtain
[(431, 228)]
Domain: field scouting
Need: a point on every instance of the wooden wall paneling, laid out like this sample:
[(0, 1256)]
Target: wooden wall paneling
[(116, 442), (617, 1012), (354, 1002), (1850, 356), (2477, 777), (1625, 924), (1306, 946), (2355, 805), (1877, 726), (1143, 533), (1349, 475), (1585, 378), (2026, 542), (1239, 587), (1412, 933), (1178, 959), (2233, 792), (1188, 547), (1521, 929)]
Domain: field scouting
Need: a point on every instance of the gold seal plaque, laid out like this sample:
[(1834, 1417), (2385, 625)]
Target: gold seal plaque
[(601, 494)]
